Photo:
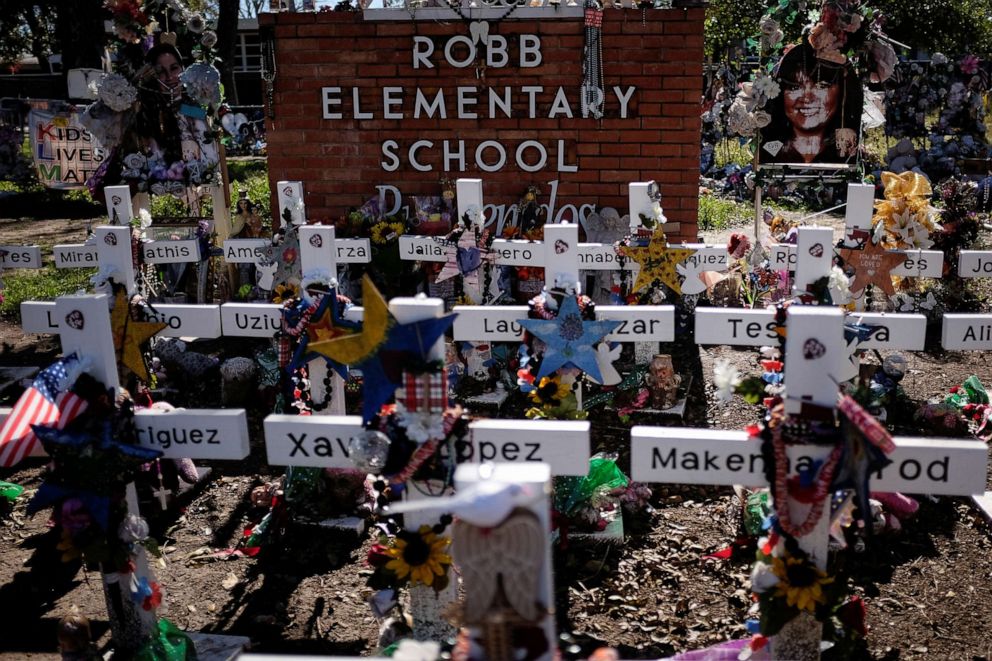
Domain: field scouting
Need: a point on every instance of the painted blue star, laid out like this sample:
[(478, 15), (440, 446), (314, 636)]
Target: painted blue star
[(570, 340), (382, 372), (92, 464), (324, 318)]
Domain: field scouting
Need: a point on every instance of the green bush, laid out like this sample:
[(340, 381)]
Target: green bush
[(717, 213), (43, 284)]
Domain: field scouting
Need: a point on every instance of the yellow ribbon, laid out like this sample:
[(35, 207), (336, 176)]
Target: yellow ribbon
[(907, 184)]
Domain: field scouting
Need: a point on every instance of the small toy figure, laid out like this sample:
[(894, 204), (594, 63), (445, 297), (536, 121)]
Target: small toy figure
[(663, 382), (75, 638)]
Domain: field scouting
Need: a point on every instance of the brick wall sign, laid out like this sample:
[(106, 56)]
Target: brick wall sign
[(361, 104)]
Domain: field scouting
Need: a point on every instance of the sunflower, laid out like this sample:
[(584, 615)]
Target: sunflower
[(550, 392), (284, 293), (418, 555), (800, 582)]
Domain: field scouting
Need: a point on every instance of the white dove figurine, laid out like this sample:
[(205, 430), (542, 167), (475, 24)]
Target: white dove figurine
[(486, 504)]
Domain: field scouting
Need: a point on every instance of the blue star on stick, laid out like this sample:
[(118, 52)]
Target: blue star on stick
[(382, 371), (570, 340)]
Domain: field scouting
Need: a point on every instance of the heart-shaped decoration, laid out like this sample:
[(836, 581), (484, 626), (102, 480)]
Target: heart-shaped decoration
[(479, 31), (317, 241), (469, 259), (116, 199), (288, 191), (75, 320), (813, 349), (816, 250), (560, 247), (110, 239)]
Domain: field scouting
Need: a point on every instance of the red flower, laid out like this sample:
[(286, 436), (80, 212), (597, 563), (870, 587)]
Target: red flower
[(853, 615), (377, 556), (155, 599)]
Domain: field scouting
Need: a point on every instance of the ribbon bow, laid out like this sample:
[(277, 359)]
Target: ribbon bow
[(907, 184)]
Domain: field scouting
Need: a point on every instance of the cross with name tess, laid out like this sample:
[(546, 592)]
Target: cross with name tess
[(216, 434)]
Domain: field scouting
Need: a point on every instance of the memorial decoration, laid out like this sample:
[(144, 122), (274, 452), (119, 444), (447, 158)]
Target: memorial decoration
[(377, 348), (904, 219), (130, 334), (871, 265), (657, 261), (154, 115)]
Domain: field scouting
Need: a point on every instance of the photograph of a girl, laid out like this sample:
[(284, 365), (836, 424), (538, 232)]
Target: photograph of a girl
[(816, 118)]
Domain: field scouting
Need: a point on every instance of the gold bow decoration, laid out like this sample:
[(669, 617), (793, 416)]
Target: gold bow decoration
[(905, 214)]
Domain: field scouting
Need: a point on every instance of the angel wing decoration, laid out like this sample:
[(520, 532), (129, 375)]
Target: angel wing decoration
[(501, 565)]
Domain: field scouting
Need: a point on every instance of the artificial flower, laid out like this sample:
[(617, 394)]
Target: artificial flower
[(116, 92), (550, 392), (418, 556), (763, 578), (208, 39), (738, 245), (420, 426), (284, 293), (767, 87), (133, 529), (202, 83), (135, 161), (196, 23), (969, 64), (826, 44), (800, 582), (726, 377), (771, 33), (839, 286), (882, 59)]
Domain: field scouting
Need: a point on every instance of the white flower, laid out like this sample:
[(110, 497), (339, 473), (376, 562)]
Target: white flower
[(939, 58), (133, 529), (196, 23), (767, 87), (116, 92), (202, 83), (839, 286), (421, 426), (726, 377), (763, 578), (144, 218), (135, 161)]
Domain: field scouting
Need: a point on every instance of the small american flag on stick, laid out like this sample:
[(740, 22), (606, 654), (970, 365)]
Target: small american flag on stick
[(47, 402)]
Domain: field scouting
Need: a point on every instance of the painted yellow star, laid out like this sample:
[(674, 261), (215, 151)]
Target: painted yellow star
[(129, 335), (658, 262), (356, 347)]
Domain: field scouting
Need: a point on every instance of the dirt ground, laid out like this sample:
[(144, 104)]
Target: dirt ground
[(928, 590)]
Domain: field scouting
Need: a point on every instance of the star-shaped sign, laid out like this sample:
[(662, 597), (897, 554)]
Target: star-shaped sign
[(382, 348), (325, 324), (129, 335), (658, 262), (872, 265), (569, 339), (91, 465)]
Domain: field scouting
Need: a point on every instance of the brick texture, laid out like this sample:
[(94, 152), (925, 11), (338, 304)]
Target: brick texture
[(340, 160)]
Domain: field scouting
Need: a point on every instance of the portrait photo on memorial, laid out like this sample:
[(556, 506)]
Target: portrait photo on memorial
[(816, 117)]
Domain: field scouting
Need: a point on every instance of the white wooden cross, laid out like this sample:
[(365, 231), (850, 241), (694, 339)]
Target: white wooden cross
[(468, 196), (323, 441), (319, 252), (194, 433), (814, 355)]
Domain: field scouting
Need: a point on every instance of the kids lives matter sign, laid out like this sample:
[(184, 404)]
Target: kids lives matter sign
[(360, 103)]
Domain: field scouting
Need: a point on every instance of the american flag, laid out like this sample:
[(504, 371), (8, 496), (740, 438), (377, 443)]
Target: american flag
[(47, 402)]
